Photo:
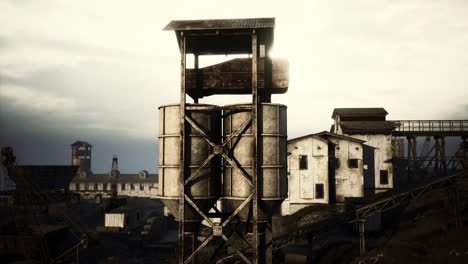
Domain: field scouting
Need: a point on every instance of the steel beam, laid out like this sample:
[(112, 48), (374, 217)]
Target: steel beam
[(181, 248), (256, 238)]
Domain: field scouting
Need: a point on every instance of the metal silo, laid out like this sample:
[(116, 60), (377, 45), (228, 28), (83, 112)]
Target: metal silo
[(205, 188), (273, 158)]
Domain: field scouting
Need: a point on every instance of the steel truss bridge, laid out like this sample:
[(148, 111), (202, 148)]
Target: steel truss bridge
[(430, 156)]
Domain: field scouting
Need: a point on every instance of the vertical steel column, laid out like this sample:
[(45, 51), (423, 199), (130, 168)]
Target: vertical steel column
[(443, 157), (436, 155), (362, 239), (412, 155), (182, 152), (198, 84), (256, 246)]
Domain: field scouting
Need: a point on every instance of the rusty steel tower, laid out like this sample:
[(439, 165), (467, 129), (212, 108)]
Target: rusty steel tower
[(233, 155)]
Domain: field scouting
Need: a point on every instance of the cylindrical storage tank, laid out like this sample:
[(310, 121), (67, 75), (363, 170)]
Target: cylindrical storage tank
[(272, 140), (206, 187)]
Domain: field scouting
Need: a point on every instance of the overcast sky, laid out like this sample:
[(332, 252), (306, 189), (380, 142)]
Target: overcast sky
[(98, 70)]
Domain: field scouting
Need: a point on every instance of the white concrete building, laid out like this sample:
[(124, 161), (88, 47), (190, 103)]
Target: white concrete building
[(323, 168), (370, 125), (346, 170)]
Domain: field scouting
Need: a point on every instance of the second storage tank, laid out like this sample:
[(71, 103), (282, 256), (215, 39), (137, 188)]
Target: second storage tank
[(272, 140)]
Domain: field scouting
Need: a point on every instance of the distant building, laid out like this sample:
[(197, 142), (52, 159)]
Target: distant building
[(370, 125), (140, 184)]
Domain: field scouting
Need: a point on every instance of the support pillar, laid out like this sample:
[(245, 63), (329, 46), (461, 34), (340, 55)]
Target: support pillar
[(440, 159), (256, 237), (181, 248), (362, 239), (412, 155)]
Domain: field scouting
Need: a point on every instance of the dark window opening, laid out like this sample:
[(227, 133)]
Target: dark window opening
[(132, 186), (122, 187), (319, 193), (303, 162), (77, 186), (383, 177), (353, 163), (335, 163), (86, 186), (142, 187), (95, 187)]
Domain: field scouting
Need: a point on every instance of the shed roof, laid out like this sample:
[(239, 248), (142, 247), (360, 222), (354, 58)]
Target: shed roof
[(375, 111), (80, 143), (307, 136), (205, 24), (350, 127), (330, 134)]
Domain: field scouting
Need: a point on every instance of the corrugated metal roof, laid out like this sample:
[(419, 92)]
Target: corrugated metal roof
[(367, 126), (359, 111), (307, 136), (330, 134), (221, 24)]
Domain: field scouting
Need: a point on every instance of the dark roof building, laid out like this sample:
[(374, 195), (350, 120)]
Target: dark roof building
[(360, 114), (362, 121), (243, 23)]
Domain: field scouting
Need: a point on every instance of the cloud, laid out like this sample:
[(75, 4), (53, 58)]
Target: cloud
[(98, 70)]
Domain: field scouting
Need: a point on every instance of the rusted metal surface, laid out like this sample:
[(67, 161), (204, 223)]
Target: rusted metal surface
[(246, 23), (235, 77)]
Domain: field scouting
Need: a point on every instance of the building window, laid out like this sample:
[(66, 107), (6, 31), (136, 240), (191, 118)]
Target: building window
[(95, 187), (150, 185), (86, 186), (319, 193), (77, 186), (335, 163), (105, 187), (383, 177), (303, 162), (353, 163), (132, 186), (122, 187), (142, 187)]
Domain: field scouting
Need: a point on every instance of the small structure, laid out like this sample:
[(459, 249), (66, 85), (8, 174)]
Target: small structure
[(370, 125), (323, 168), (122, 219)]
